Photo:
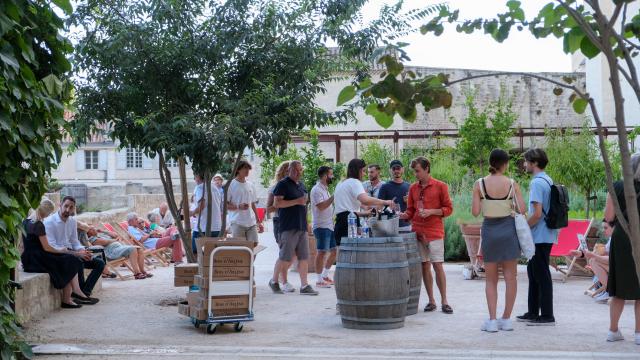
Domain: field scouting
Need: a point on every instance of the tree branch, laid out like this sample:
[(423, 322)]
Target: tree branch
[(539, 77)]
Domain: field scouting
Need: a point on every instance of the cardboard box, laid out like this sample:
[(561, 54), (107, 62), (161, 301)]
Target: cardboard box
[(206, 245), (183, 281), (198, 313), (183, 308), (186, 270), (193, 298), (201, 313)]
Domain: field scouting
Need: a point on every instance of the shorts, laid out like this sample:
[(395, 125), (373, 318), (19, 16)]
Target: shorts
[(248, 232), (294, 242), (431, 251), (325, 240)]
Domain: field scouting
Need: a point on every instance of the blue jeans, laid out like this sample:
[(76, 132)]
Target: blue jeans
[(325, 240), (197, 234)]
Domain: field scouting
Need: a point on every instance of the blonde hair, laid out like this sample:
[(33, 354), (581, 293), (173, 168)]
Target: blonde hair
[(282, 171), (45, 209)]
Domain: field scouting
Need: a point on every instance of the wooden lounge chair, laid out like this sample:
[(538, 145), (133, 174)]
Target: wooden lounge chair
[(155, 254), (568, 240), (113, 265)]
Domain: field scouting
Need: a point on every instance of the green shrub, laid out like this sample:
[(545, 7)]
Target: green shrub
[(455, 248)]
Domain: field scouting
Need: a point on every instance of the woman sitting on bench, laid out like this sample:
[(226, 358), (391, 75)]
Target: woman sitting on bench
[(598, 261)]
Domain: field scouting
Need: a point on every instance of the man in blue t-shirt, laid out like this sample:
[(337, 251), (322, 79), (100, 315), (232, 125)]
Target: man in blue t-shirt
[(540, 304), (396, 189)]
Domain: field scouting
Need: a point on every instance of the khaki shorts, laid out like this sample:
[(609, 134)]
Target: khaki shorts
[(250, 233), (431, 251)]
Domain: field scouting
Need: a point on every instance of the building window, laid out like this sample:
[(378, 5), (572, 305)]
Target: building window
[(134, 158), (91, 159), (172, 163)]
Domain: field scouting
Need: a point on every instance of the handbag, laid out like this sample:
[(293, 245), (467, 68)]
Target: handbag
[(525, 238)]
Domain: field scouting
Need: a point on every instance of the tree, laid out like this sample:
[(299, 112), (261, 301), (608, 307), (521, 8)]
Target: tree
[(205, 80), (34, 87), (584, 28), (577, 162), (484, 130)]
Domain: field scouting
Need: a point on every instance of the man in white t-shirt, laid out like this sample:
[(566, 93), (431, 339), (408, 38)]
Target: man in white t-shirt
[(322, 211), (241, 203), (201, 212)]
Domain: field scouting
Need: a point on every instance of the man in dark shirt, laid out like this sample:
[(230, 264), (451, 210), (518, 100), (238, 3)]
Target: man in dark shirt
[(396, 189), (290, 198)]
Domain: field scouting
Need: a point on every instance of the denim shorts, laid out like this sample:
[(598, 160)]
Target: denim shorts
[(324, 239)]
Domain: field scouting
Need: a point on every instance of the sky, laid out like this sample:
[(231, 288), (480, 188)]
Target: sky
[(520, 52)]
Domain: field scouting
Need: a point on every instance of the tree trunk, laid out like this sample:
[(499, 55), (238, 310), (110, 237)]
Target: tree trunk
[(588, 206), (633, 216), (185, 195), (167, 184), (207, 187)]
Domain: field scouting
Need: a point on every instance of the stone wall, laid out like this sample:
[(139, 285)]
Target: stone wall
[(144, 203), (114, 215)]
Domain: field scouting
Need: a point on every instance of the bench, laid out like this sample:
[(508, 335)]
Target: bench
[(38, 297)]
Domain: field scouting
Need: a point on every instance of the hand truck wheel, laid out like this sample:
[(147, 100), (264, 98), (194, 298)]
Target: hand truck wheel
[(211, 328), (238, 327)]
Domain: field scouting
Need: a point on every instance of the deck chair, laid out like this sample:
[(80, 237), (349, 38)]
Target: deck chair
[(155, 254), (111, 265), (568, 240)]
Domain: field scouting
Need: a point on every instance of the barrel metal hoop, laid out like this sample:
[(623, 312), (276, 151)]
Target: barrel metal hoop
[(387, 240), (367, 320), (373, 266), (370, 249), (373, 302)]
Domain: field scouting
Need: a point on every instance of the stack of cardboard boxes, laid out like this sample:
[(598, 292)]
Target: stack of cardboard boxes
[(228, 266)]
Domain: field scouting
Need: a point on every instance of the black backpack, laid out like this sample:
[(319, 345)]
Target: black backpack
[(558, 215)]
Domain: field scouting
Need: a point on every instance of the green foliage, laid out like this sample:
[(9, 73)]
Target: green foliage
[(484, 130), (33, 88), (375, 152), (575, 160), (455, 248), (271, 162)]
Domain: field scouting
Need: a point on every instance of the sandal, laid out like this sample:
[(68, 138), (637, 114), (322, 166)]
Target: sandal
[(146, 274), (430, 307), (447, 309), (139, 276), (110, 276)]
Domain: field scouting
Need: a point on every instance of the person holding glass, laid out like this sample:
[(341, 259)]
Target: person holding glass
[(428, 204), (396, 189), (497, 197)]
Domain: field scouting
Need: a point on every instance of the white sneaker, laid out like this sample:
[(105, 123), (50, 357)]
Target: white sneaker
[(602, 298), (638, 338), (505, 324), (616, 336), (287, 287), (490, 326)]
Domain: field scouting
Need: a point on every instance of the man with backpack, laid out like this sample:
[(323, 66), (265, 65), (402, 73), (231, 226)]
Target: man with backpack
[(547, 213)]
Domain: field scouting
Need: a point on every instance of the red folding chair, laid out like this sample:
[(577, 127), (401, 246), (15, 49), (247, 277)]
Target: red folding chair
[(567, 241)]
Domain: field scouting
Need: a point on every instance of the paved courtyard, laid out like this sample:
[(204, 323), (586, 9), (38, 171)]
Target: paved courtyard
[(129, 323)]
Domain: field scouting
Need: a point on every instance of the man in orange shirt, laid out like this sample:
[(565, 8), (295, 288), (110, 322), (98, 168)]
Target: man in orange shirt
[(428, 204)]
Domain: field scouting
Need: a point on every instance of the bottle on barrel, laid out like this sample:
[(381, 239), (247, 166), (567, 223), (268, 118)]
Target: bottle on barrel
[(353, 225), (365, 228)]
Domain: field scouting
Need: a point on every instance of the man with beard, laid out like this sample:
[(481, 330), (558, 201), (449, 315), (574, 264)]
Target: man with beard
[(372, 186), (62, 234), (396, 189), (322, 211)]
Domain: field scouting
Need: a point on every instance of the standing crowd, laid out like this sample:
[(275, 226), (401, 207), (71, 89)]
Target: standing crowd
[(423, 206)]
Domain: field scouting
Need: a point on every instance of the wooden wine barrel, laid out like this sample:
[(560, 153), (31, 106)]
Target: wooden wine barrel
[(372, 283), (415, 271)]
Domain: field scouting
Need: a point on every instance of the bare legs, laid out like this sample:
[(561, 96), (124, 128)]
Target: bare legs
[(441, 281), (615, 311), (72, 287), (509, 268)]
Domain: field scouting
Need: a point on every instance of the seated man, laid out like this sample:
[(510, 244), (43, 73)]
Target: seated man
[(155, 239), (598, 260), (114, 249), (166, 219), (62, 234)]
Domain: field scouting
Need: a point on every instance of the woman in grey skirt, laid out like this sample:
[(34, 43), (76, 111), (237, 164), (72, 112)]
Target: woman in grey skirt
[(496, 197)]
